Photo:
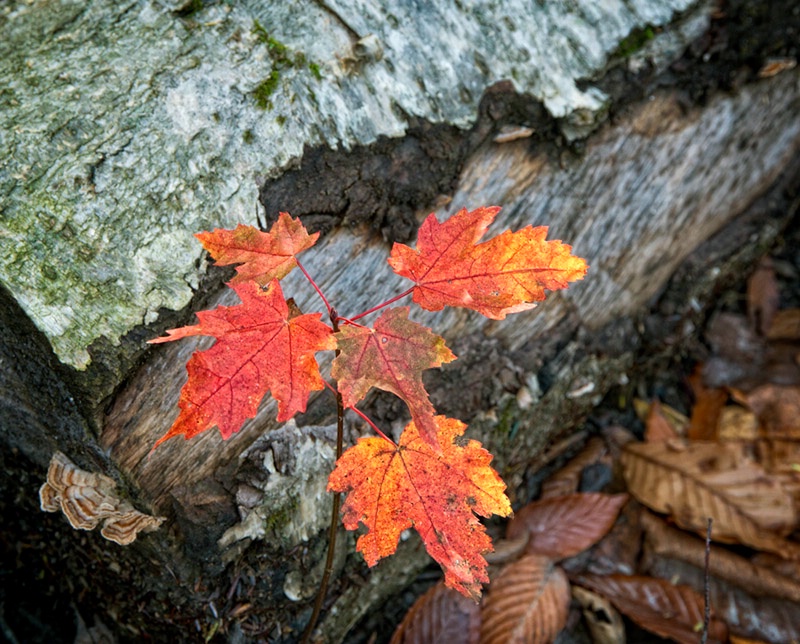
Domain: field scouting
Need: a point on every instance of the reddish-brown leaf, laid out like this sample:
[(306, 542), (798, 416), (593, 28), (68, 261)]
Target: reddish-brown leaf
[(258, 349), (440, 615), (708, 405), (777, 407), (263, 256), (505, 274), (527, 603), (746, 612), (392, 357), (393, 487), (567, 480), (561, 527), (657, 427), (672, 611)]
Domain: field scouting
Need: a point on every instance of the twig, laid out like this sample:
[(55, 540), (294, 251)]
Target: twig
[(326, 575), (706, 593)]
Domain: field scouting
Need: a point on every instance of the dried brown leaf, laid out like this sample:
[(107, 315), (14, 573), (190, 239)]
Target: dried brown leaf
[(777, 407), (747, 615), (676, 419), (562, 527), (656, 426), (737, 424), (708, 404), (508, 550), (667, 610), (568, 478), (603, 620), (785, 325), (440, 615), (665, 541), (780, 457), (527, 603), (698, 480), (618, 551)]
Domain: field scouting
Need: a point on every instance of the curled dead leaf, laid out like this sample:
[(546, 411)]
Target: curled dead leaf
[(716, 480), (561, 527), (527, 603), (567, 479), (604, 621), (671, 611), (440, 615)]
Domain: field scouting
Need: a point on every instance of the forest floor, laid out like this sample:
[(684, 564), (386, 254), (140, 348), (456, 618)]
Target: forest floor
[(714, 433)]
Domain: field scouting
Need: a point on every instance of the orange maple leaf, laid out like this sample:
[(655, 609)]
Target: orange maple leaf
[(392, 357), (393, 487), (264, 256), (502, 275), (258, 349)]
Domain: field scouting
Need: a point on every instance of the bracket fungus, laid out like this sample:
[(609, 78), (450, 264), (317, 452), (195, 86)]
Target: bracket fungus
[(87, 499)]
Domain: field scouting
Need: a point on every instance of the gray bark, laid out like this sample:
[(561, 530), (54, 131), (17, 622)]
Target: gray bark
[(133, 126)]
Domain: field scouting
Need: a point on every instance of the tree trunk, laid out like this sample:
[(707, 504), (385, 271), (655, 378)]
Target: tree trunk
[(660, 139)]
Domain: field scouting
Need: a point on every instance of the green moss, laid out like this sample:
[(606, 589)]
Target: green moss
[(247, 136), (282, 517), (635, 40), (266, 89), (277, 50), (190, 8), (316, 72), (280, 119), (282, 58)]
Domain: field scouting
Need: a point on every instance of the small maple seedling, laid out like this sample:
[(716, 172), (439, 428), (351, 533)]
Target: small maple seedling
[(429, 480)]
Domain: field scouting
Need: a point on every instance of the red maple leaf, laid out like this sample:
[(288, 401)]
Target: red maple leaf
[(505, 274), (264, 256), (392, 357), (393, 487), (258, 349)]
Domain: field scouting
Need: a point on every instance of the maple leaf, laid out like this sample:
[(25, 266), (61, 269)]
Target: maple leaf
[(263, 256), (393, 487), (258, 349), (392, 357), (502, 275)]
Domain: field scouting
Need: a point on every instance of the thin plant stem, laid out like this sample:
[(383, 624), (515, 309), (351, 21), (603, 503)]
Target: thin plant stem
[(380, 306), (706, 592), (337, 498), (373, 425), (328, 307)]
